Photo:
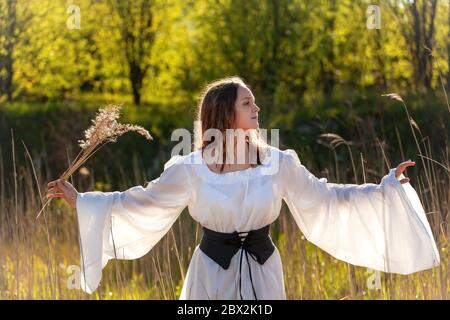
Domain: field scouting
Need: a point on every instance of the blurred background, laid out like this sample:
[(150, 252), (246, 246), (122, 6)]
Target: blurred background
[(318, 70)]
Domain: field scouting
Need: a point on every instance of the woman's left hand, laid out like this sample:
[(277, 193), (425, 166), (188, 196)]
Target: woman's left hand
[(401, 168)]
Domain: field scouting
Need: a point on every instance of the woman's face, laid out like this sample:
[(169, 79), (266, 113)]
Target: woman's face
[(246, 110)]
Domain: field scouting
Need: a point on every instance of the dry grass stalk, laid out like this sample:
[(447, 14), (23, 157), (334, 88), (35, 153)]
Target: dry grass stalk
[(104, 129), (394, 96)]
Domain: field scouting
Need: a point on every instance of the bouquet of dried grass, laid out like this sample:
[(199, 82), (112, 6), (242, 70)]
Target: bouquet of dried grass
[(104, 129)]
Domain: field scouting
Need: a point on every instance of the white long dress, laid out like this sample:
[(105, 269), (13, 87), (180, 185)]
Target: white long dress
[(380, 226)]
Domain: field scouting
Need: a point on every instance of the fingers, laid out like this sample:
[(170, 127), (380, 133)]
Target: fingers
[(407, 164), (53, 182), (55, 195), (57, 184), (402, 166), (55, 189), (403, 181), (61, 189), (52, 186)]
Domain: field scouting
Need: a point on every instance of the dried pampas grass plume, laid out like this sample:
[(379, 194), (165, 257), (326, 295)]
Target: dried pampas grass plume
[(394, 96), (104, 129)]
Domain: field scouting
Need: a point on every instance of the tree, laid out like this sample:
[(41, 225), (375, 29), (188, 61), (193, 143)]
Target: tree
[(15, 18), (136, 23), (8, 41), (258, 40), (448, 47), (327, 63), (419, 29)]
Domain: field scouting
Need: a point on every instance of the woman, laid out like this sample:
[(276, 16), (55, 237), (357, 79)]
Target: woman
[(379, 226)]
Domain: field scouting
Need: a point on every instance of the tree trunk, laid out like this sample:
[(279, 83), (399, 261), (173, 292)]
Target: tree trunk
[(418, 65), (381, 79), (10, 41), (428, 39), (448, 49), (423, 33), (328, 63), (273, 63), (135, 22), (136, 78)]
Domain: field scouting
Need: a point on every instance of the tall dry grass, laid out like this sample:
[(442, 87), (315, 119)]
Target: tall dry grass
[(104, 129), (36, 255)]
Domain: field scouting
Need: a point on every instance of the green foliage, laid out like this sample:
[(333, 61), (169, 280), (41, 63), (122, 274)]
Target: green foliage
[(289, 51)]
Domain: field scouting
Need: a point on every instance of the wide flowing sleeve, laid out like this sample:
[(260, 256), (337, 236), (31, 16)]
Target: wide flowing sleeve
[(126, 225), (379, 226)]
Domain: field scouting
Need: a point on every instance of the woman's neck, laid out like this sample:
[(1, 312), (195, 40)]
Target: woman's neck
[(234, 157)]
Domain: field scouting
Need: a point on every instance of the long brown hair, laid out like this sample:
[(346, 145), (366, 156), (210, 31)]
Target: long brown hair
[(216, 110)]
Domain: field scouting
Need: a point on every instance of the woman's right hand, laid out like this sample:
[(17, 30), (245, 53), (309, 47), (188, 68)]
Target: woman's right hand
[(63, 189)]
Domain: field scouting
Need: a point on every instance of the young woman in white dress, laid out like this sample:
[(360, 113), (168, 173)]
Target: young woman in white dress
[(380, 226)]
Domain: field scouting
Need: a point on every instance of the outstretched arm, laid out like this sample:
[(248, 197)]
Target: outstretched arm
[(380, 226), (127, 224)]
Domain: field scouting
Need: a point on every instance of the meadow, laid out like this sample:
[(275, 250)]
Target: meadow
[(39, 257)]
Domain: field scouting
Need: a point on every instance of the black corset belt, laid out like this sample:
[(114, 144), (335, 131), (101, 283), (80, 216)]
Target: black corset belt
[(221, 247)]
